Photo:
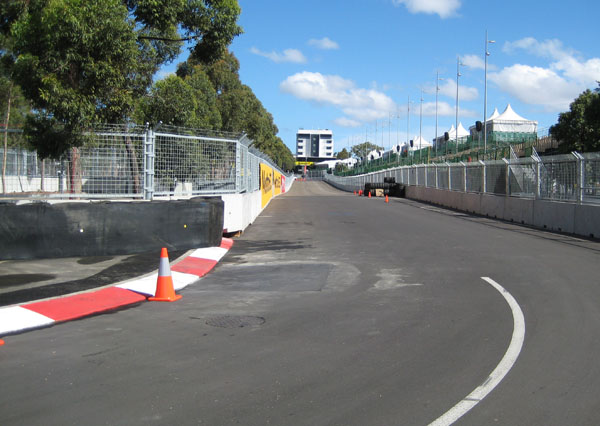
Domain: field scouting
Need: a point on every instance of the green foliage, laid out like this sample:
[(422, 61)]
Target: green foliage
[(361, 150), (86, 61), (343, 154), (579, 128), (238, 107)]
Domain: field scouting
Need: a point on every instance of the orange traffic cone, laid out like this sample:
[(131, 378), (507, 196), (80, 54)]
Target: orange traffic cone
[(369, 194), (164, 284), (1, 342), (387, 200)]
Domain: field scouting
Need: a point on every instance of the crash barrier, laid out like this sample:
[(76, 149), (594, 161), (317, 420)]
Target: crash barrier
[(42, 229), (560, 193)]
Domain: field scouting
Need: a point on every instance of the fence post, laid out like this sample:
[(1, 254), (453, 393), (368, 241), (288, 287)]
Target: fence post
[(149, 139), (464, 176), (580, 176), (483, 176), (449, 176), (538, 177), (238, 166), (507, 178)]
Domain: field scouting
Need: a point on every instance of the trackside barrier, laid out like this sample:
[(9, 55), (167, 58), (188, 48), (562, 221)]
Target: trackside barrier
[(560, 193)]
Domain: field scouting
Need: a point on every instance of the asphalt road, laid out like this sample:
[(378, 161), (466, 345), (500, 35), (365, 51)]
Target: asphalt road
[(333, 309)]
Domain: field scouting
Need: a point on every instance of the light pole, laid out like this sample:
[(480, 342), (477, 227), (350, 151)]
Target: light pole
[(437, 89), (485, 56), (420, 122), (458, 64), (408, 126)]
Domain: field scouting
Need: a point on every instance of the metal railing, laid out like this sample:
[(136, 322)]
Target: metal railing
[(138, 162), (573, 177)]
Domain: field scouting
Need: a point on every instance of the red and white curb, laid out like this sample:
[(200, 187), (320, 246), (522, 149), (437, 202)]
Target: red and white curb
[(15, 319)]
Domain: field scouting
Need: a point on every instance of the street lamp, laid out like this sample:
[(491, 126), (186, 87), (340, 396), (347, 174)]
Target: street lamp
[(420, 122), (437, 89), (408, 126), (458, 74), (485, 56)]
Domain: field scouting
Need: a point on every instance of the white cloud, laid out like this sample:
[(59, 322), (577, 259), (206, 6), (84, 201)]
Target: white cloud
[(554, 87), (476, 62), (359, 104), (465, 93), (346, 122), (444, 8), (288, 55), (444, 110), (325, 43), (537, 86)]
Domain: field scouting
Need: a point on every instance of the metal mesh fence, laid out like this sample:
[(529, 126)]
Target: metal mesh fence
[(573, 177), (522, 177), (457, 177), (474, 177), (591, 178), (189, 165), (558, 178), (443, 177), (135, 162)]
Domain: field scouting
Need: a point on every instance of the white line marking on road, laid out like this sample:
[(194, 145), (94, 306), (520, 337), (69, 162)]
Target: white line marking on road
[(501, 370)]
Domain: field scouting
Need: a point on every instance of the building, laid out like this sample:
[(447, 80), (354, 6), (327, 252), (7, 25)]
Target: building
[(313, 146)]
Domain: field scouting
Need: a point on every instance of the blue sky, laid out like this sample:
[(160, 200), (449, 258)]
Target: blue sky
[(350, 66)]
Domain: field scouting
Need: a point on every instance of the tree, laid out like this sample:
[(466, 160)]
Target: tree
[(343, 154), (363, 149), (579, 128), (81, 62)]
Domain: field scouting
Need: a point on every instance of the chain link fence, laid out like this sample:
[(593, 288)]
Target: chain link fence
[(574, 177), (137, 162)]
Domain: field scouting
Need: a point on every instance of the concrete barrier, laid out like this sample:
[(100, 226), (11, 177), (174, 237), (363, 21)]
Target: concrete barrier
[(580, 219), (554, 215), (48, 230), (519, 210)]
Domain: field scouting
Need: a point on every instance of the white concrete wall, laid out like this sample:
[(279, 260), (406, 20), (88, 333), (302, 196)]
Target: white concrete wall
[(242, 209), (580, 219)]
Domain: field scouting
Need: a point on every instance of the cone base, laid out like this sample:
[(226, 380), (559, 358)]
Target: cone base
[(165, 299)]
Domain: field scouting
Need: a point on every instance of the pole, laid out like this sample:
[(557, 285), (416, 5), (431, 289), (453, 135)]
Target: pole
[(437, 89), (485, 56), (456, 130), (421, 122), (408, 126)]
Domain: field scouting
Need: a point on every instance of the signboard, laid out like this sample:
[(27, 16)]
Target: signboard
[(304, 163), (266, 184)]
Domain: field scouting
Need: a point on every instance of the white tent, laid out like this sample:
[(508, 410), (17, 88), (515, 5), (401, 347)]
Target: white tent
[(462, 132), (511, 122), (419, 143)]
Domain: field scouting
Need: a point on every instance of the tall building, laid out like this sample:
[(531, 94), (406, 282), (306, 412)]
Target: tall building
[(314, 145)]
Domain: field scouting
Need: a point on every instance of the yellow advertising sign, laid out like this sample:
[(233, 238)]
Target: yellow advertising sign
[(266, 184), (304, 163), (277, 182)]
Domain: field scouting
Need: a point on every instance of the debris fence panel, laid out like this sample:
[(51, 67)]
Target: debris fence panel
[(136, 162), (574, 177)]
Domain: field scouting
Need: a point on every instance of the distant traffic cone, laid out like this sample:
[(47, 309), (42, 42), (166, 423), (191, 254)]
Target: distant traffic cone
[(387, 200), (1, 342), (369, 194), (164, 284)]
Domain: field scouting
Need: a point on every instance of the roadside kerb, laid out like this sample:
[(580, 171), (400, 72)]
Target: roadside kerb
[(17, 319)]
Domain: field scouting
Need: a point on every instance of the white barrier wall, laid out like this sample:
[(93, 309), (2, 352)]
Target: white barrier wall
[(580, 219), (241, 210)]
